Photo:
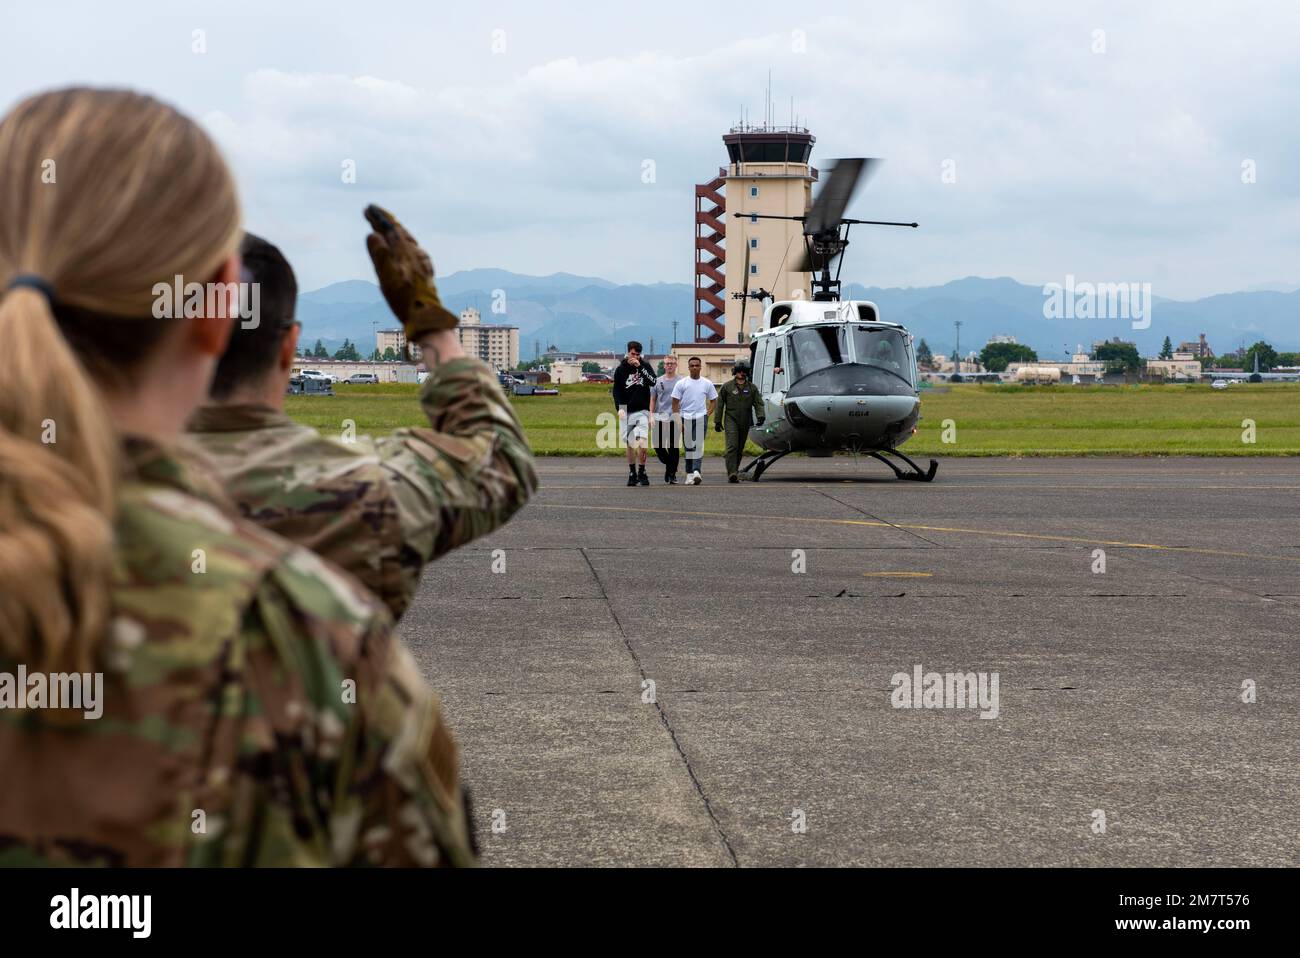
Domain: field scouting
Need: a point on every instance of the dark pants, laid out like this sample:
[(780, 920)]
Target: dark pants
[(735, 433), (693, 433), (667, 444)]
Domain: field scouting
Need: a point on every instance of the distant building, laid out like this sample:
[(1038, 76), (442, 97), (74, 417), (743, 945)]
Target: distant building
[(971, 364), (496, 345), (1198, 349), (341, 369), (393, 339), (1080, 364), (767, 175), (999, 339), (1174, 368), (566, 371)]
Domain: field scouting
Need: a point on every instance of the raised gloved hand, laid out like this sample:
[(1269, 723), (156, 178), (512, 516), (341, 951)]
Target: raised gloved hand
[(405, 275)]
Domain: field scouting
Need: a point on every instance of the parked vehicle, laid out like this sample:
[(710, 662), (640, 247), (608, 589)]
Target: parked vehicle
[(362, 379), (310, 386), (317, 374)]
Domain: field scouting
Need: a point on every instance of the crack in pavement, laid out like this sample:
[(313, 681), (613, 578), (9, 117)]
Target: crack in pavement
[(1141, 559), (663, 717), (863, 512)]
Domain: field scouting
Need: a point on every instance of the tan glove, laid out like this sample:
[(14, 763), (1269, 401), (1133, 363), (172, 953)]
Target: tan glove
[(405, 275)]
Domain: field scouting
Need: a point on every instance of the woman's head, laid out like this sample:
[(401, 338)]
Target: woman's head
[(103, 195)]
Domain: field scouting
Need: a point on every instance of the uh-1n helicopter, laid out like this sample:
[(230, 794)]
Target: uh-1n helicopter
[(833, 375)]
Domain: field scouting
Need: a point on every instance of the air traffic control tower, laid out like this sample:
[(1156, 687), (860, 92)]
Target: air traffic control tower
[(767, 172)]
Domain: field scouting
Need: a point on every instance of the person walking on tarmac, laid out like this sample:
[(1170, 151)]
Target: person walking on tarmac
[(633, 381), (738, 401)]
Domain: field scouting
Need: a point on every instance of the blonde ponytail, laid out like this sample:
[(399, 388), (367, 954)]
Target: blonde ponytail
[(59, 465), (102, 194)]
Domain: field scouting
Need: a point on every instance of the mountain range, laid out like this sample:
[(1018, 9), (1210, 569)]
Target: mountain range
[(586, 313)]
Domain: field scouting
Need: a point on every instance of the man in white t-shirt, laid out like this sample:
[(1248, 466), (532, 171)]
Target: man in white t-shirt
[(693, 399)]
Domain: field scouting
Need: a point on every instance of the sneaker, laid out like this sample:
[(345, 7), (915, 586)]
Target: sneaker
[(642, 479), (690, 479), (631, 478), (698, 477), (733, 478), (671, 479)]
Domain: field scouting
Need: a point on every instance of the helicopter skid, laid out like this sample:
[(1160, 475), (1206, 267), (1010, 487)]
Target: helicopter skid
[(761, 462), (917, 473)]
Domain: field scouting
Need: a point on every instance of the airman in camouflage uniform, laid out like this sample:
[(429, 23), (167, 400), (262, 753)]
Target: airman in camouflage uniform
[(380, 508), (252, 706), (256, 712), (739, 404)]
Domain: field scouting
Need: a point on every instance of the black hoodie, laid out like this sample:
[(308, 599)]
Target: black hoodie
[(632, 386)]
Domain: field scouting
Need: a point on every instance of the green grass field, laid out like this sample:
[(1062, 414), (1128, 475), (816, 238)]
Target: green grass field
[(989, 420)]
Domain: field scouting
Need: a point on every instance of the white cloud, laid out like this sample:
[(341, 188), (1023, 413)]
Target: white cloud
[(1123, 164)]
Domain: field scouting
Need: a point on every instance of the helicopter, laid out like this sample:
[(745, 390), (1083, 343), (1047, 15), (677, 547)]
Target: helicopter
[(833, 375)]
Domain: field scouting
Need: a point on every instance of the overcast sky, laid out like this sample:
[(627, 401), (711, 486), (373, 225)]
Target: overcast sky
[(1113, 156)]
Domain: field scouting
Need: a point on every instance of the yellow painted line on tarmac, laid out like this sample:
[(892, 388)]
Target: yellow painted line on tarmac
[(898, 575), (999, 533)]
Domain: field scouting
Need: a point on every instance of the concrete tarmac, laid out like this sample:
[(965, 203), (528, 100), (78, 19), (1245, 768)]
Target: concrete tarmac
[(707, 675)]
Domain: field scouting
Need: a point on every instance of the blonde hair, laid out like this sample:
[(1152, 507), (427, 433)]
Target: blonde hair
[(103, 193)]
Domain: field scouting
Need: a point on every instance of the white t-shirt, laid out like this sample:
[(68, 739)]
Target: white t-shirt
[(694, 395)]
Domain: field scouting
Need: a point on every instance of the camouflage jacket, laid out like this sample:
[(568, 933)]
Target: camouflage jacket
[(256, 710), (737, 402), (380, 508)]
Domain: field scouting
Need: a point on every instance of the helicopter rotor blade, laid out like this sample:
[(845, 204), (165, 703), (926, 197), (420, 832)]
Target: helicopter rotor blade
[(744, 299), (833, 198)]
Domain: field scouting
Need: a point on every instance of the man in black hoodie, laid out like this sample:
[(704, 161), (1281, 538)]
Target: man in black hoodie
[(632, 382)]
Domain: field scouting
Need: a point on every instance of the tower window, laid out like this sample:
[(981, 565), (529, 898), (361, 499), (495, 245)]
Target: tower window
[(753, 191), (753, 269), (753, 243), (753, 217)]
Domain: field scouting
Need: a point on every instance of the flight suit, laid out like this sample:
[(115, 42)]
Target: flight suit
[(736, 405)]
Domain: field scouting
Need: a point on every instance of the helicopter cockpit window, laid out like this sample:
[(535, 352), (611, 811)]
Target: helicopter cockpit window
[(814, 348), (885, 348)]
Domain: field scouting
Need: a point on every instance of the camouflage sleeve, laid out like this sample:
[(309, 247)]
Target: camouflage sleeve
[(365, 769), (464, 476)]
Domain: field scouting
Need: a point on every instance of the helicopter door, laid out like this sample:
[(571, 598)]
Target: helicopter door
[(780, 350), (763, 366)]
